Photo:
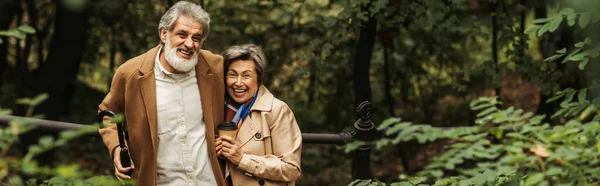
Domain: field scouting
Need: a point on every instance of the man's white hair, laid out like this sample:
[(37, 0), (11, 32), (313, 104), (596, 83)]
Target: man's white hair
[(191, 10)]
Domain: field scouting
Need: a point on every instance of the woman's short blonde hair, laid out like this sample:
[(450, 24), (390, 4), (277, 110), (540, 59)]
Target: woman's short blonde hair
[(247, 52)]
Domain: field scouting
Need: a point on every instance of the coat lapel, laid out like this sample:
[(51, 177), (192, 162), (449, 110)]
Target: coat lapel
[(147, 83), (205, 81), (253, 123)]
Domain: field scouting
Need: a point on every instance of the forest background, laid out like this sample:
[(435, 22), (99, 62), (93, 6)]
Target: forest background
[(421, 60)]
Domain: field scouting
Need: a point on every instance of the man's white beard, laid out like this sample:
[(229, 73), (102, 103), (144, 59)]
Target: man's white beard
[(177, 62)]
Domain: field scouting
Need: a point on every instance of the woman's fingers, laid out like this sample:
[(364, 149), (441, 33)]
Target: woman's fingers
[(227, 139)]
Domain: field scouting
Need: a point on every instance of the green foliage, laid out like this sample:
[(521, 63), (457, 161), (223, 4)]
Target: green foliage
[(19, 32), (15, 169), (505, 146)]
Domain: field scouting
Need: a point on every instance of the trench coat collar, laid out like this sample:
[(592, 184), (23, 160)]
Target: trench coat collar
[(264, 101)]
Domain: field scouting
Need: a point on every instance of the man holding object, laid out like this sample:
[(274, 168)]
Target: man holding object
[(172, 98)]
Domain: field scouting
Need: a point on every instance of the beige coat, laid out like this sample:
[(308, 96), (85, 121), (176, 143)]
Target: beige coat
[(271, 142), (133, 92)]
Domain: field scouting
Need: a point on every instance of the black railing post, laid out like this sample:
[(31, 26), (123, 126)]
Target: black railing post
[(364, 130)]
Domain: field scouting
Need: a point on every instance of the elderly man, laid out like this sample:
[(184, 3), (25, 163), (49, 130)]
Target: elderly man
[(172, 98)]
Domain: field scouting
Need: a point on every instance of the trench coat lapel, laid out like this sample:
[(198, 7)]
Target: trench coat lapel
[(253, 123), (147, 83)]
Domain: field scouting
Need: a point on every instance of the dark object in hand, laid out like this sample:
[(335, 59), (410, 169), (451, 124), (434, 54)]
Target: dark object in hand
[(122, 131), (126, 161)]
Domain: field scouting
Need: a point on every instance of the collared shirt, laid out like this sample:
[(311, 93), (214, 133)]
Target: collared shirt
[(182, 149)]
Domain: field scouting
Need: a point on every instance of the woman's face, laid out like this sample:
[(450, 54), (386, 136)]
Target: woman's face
[(242, 80)]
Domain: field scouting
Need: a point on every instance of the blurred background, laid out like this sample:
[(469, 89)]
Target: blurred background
[(421, 60)]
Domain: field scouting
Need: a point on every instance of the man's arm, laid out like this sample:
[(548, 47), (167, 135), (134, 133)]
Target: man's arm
[(114, 101)]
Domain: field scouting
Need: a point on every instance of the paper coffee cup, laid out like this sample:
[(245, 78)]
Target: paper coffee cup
[(227, 128)]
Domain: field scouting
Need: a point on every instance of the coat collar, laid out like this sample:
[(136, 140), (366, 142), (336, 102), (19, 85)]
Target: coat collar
[(264, 101)]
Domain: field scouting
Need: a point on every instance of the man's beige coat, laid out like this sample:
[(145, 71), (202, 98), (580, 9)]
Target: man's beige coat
[(133, 92)]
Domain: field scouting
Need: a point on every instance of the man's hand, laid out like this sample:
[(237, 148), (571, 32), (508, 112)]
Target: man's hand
[(119, 170), (230, 149)]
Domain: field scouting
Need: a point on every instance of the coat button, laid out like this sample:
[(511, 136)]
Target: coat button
[(261, 182), (257, 135)]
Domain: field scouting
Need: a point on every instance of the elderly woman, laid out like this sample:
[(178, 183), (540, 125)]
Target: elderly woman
[(268, 144)]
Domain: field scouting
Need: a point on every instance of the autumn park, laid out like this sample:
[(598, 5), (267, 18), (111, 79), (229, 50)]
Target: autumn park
[(318, 92)]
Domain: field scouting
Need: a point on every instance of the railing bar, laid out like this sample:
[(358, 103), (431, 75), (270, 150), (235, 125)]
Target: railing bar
[(41, 123)]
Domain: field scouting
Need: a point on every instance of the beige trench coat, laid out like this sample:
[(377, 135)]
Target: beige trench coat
[(271, 142)]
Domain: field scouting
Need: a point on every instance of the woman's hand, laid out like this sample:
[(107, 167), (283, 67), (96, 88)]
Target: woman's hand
[(218, 143), (230, 149)]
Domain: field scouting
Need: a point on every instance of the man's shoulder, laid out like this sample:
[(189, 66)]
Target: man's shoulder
[(132, 65), (215, 61)]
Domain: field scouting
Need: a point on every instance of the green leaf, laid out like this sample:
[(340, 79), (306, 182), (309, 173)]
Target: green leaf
[(27, 29), (39, 99), (417, 180), (5, 112), (34, 149), (46, 141), (554, 171), (13, 33), (487, 111), (562, 51), (582, 95), (554, 24), (555, 98), (534, 179), (580, 44), (388, 122), (498, 133), (68, 171), (554, 57), (558, 113), (24, 101), (544, 29), (571, 19), (404, 183), (567, 11), (541, 20), (353, 146), (583, 63), (15, 180), (577, 57), (588, 110), (568, 97), (532, 29), (584, 19)]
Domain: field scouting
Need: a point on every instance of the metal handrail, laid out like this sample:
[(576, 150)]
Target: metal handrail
[(42, 123), (364, 130), (309, 138)]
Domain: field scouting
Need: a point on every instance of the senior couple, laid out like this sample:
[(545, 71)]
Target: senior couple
[(173, 97)]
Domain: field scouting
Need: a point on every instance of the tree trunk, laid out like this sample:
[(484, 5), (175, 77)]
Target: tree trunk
[(388, 48), (7, 11), (113, 52), (562, 38), (495, 46), (59, 74), (362, 62), (312, 88)]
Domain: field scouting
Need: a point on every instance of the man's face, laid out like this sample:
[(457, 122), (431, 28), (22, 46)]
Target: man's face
[(183, 43)]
